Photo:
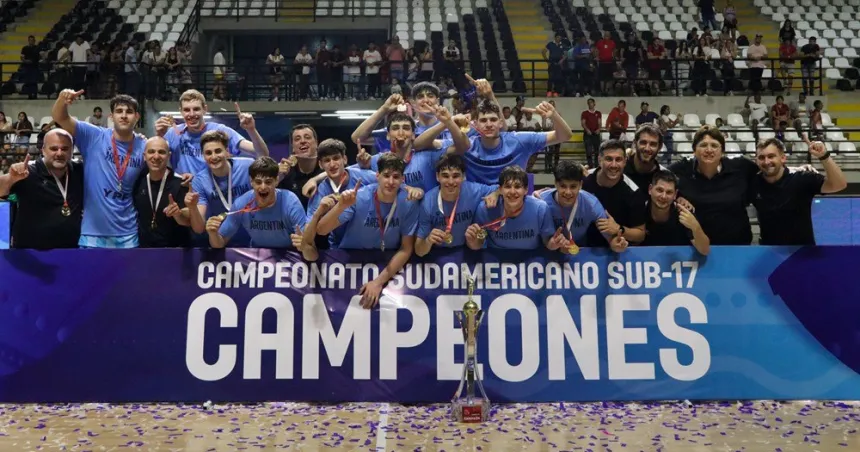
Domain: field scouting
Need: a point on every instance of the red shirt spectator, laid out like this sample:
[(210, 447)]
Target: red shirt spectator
[(618, 119), (787, 50), (591, 119), (657, 51), (605, 50)]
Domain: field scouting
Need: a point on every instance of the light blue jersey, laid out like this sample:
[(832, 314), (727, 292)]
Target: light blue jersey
[(270, 227), (186, 156), (363, 223), (588, 210), (431, 216), (526, 231)]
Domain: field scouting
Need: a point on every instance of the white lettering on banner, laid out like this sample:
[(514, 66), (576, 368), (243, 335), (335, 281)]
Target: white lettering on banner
[(582, 339), (316, 327), (561, 328), (390, 340), (496, 327), (197, 333)]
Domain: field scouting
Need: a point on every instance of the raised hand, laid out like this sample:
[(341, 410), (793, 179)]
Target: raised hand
[(186, 179), (363, 157), (492, 200), (817, 149), (414, 193), (172, 208), (246, 120), (558, 241), (482, 86), (69, 96), (618, 243), (688, 219), (326, 204), (437, 236), (348, 197), (296, 238), (214, 223), (191, 198), (393, 102), (285, 165), (163, 124), (472, 231), (21, 170), (442, 113)]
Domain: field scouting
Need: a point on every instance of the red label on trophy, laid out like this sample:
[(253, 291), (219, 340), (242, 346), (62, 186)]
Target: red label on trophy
[(473, 414)]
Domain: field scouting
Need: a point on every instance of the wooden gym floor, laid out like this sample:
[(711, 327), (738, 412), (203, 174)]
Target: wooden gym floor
[(748, 426)]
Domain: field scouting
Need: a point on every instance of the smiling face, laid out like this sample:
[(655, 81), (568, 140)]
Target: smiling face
[(514, 193), (426, 102), (401, 135), (612, 164), (708, 151), (450, 180), (647, 146), (215, 154), (193, 112), (662, 194), (304, 143), (567, 191), (334, 166), (770, 160), (156, 154), (264, 189)]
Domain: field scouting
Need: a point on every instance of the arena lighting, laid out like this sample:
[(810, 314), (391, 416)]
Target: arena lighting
[(355, 112), (177, 114)]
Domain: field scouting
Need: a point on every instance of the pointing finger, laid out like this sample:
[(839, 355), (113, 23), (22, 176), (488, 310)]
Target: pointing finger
[(298, 229), (470, 79), (238, 110), (170, 198)]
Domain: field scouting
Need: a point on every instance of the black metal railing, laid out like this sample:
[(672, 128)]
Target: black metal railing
[(193, 24), (286, 10)]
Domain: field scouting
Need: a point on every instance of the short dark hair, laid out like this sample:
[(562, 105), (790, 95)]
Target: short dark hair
[(330, 147), (664, 175), (451, 161), (513, 173), (99, 109), (217, 136), (780, 146), (390, 161), (649, 129), (423, 87), (487, 106), (569, 171), (611, 145), (298, 127), (263, 166), (124, 99), (709, 131), (400, 116)]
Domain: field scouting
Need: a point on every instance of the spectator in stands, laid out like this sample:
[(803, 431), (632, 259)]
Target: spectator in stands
[(173, 65), (779, 112), (452, 58), (666, 124), (23, 128), (757, 54), (606, 62), (426, 62), (219, 66), (816, 124), (303, 62), (552, 153), (618, 121), (553, 54), (579, 64), (591, 120), (787, 54), (517, 111), (6, 130), (372, 62), (645, 116), (336, 68), (701, 68), (396, 55), (62, 66), (656, 56), (529, 123), (132, 70), (631, 56), (352, 73), (809, 65), (755, 110), (154, 68), (30, 68), (275, 62), (93, 75), (786, 32), (709, 15), (97, 118), (727, 66), (730, 20), (323, 62), (682, 67), (799, 108), (115, 70), (78, 50)]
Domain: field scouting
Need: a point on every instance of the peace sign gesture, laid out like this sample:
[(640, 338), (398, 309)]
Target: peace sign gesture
[(482, 86)]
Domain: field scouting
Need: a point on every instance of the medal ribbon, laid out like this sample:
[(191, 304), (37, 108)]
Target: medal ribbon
[(121, 167), (382, 228), (449, 224), (570, 217), (228, 202), (246, 209), (64, 188), (341, 184), (498, 223), (160, 192)]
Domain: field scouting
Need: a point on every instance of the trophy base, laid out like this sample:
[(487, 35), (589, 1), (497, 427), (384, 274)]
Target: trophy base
[(471, 411)]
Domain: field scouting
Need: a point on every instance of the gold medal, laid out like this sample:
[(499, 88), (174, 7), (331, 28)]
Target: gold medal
[(449, 239), (66, 211), (573, 249), (382, 247), (482, 234), (223, 216), (119, 186), (152, 225)]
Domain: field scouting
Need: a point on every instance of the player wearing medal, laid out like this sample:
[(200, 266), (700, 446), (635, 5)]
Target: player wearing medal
[(186, 151), (159, 198), (339, 178), (447, 210), (301, 166), (113, 159), (377, 216), (520, 223), (574, 210), (271, 216), (50, 193), (669, 223), (213, 189)]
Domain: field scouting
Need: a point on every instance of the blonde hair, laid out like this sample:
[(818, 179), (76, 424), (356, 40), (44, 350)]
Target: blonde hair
[(192, 95)]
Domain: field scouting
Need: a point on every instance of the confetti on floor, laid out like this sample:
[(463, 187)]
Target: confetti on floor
[(650, 427)]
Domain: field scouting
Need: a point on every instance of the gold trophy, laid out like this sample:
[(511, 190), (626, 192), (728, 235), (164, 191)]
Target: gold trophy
[(469, 408)]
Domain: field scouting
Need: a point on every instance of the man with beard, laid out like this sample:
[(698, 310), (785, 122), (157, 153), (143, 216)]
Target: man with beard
[(448, 209), (668, 223), (339, 178), (113, 159), (520, 223), (377, 216), (184, 140), (159, 198), (575, 210), (213, 189), (273, 218), (50, 194), (302, 166), (617, 193), (783, 197), (642, 166)]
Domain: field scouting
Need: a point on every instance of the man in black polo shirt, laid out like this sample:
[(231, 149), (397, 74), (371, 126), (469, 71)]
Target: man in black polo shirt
[(783, 197), (158, 197), (302, 168), (668, 223), (617, 193), (50, 194), (642, 166)]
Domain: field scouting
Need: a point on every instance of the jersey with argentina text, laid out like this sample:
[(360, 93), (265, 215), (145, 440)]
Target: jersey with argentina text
[(526, 231), (432, 217), (364, 225), (484, 165), (108, 209), (325, 188), (420, 172), (204, 184), (588, 210), (270, 227), (186, 156)]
